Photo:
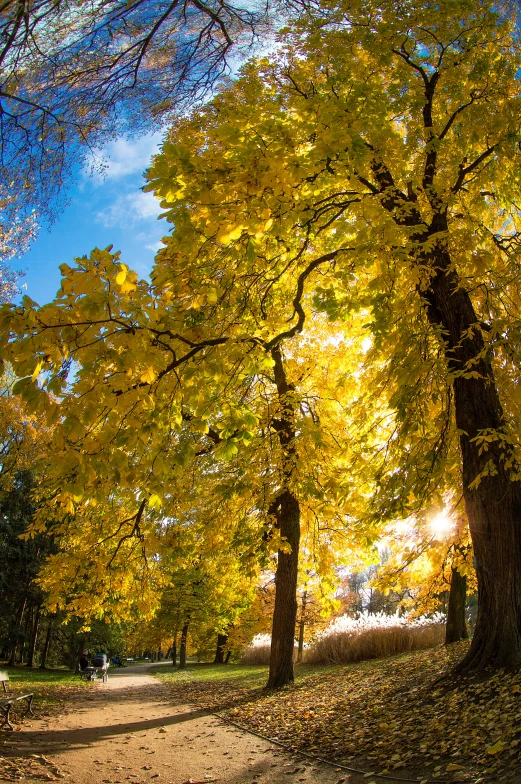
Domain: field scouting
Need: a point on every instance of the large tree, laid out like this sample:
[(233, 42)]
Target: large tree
[(186, 421), (374, 161), (389, 137)]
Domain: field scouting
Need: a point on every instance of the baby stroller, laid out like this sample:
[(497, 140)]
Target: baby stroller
[(101, 662)]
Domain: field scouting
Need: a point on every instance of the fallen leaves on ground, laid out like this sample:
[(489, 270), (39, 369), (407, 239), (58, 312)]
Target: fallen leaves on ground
[(199, 781), (34, 768), (51, 699), (392, 714)]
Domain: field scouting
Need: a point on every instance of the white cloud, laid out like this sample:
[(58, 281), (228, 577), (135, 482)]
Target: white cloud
[(123, 157), (128, 209), (144, 205), (155, 246)]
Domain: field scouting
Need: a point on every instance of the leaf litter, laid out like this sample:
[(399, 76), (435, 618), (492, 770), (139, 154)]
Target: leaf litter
[(404, 713), (52, 700)]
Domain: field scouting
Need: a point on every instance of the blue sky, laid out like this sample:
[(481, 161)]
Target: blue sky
[(102, 210)]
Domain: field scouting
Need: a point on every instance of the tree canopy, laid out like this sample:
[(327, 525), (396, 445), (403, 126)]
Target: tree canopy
[(74, 74), (345, 211)]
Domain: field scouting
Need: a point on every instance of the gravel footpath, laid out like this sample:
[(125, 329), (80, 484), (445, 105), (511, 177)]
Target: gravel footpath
[(128, 730)]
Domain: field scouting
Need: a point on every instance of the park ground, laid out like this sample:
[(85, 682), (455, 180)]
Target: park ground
[(397, 719)]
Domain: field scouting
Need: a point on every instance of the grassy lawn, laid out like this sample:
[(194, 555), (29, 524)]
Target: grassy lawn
[(244, 676), (249, 677), (400, 714), (23, 675), (51, 687)]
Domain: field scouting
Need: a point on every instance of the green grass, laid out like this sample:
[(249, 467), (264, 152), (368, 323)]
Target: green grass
[(247, 676), (51, 687), (45, 678)]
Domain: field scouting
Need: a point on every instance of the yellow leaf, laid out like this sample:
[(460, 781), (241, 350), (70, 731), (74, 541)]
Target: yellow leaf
[(127, 286), (497, 748), (122, 275), (155, 501), (236, 233), (36, 371), (149, 376)]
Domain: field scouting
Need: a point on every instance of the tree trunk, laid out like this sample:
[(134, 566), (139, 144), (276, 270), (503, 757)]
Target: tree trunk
[(34, 637), (26, 633), (456, 628), (492, 498), (227, 658), (286, 510), (222, 639), (301, 627), (174, 651), (285, 610), (492, 502), (46, 645), (182, 648), (19, 618), (81, 648)]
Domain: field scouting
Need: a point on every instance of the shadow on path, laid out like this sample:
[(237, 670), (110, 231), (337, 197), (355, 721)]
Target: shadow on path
[(67, 740)]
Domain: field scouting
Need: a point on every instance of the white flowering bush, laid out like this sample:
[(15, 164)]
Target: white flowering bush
[(260, 641), (365, 620)]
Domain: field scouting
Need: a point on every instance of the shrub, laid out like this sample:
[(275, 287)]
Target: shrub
[(374, 637)]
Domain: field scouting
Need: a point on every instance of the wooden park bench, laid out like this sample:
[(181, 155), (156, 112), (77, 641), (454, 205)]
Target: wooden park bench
[(8, 700)]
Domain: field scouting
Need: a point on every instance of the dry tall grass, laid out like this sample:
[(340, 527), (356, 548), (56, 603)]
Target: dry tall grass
[(258, 651), (373, 642), (256, 654), (367, 637)]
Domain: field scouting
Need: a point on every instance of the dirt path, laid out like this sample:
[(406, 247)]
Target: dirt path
[(128, 730)]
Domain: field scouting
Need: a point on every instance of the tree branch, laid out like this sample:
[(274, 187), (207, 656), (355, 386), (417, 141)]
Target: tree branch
[(464, 170)]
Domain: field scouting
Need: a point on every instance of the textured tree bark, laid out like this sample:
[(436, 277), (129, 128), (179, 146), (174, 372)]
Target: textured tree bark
[(222, 639), (287, 514), (493, 504), (456, 628), (182, 648), (285, 610)]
